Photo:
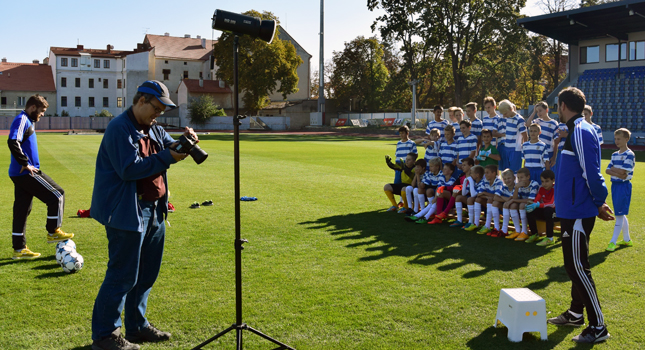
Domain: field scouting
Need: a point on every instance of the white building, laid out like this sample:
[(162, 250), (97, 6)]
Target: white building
[(89, 80)]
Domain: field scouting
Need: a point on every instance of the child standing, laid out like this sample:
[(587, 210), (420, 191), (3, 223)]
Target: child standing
[(587, 112), (456, 115), (535, 153), (448, 148), (476, 124), (621, 169), (548, 126), (431, 144), (543, 208), (525, 192), (466, 145), (488, 153), (438, 122), (407, 174)]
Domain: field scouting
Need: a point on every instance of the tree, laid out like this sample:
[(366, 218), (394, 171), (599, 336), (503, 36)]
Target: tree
[(360, 74), (263, 69), (104, 113), (314, 82), (203, 108)]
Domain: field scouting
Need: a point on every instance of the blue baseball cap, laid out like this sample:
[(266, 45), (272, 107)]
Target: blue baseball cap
[(157, 89)]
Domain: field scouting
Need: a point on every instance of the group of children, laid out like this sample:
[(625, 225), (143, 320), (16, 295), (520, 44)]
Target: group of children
[(461, 165)]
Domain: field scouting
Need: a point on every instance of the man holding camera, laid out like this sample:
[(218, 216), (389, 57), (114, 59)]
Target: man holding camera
[(130, 199)]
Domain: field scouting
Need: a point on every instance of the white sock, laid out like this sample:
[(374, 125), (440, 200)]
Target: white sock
[(425, 210), (507, 216), (524, 222), (489, 214), (471, 213), (496, 217), (478, 213), (459, 206), (433, 208), (408, 195), (575, 314), (626, 237), (421, 198), (618, 226), (516, 220), (415, 193)]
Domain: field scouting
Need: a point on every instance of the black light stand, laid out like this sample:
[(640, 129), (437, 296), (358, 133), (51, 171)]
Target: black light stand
[(239, 326)]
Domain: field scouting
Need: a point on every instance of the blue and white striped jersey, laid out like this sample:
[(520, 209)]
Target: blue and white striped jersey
[(446, 182), (480, 187), (404, 148), (433, 124), (504, 191), (465, 145), (625, 161), (529, 191), (535, 154), (562, 127), (458, 133), (431, 179), (549, 128), (599, 132), (492, 125), (431, 152), (448, 152), (512, 127), (476, 127), (492, 188)]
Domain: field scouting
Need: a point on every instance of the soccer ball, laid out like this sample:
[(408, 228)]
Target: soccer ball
[(62, 251), (72, 262), (68, 242)]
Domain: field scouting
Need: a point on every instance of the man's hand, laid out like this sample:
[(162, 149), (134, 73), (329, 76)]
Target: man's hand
[(604, 212), (178, 156), (190, 132), (32, 169)]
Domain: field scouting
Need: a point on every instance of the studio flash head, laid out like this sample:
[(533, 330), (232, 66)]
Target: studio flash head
[(244, 25)]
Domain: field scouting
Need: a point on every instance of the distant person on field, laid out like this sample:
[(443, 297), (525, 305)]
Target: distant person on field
[(29, 181), (587, 112), (621, 169), (542, 208)]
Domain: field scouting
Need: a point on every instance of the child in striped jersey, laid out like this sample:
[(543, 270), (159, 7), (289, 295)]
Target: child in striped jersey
[(487, 197), (403, 148), (438, 122), (456, 115), (446, 182), (476, 125), (561, 136), (476, 183), (513, 127), (457, 190), (502, 200), (427, 187), (548, 126), (431, 144), (621, 169), (466, 145), (448, 148), (525, 191), (587, 112), (535, 153), (412, 191)]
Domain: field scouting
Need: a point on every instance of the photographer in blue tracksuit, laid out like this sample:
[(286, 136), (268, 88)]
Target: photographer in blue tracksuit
[(580, 194)]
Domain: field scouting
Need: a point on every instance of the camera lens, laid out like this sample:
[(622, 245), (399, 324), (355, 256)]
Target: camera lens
[(198, 154)]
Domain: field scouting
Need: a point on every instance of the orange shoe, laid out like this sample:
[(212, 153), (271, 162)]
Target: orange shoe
[(400, 205), (436, 220), (442, 215), (522, 237), (513, 235)]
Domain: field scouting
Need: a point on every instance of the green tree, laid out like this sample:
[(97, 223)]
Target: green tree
[(360, 74), (263, 69), (103, 113), (203, 108)]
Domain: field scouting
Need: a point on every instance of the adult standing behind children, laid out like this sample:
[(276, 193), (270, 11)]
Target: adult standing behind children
[(130, 199), (30, 182), (580, 194)]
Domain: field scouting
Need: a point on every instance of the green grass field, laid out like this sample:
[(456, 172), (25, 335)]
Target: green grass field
[(325, 266)]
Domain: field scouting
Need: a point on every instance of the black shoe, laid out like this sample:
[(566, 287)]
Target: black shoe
[(567, 319), (148, 334), (114, 342), (207, 203), (592, 334), (195, 205)]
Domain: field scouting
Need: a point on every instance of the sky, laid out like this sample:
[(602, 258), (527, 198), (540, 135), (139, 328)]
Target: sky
[(123, 24)]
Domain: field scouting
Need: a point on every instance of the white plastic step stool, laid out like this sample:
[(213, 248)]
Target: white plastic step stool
[(521, 310)]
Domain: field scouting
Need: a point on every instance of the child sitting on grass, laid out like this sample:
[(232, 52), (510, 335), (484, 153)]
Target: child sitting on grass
[(525, 192), (543, 208), (407, 174), (487, 197), (502, 200), (446, 181), (621, 169), (412, 191)]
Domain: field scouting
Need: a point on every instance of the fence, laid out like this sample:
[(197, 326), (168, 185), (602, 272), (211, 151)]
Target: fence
[(78, 123)]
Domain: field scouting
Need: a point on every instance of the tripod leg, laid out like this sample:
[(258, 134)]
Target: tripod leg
[(282, 345), (215, 337), (239, 338)]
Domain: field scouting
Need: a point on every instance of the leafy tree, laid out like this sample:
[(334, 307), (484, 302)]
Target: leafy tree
[(203, 108), (103, 113), (263, 69), (314, 83)]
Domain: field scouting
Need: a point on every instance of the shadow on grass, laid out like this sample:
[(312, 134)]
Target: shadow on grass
[(559, 274), (386, 234), (9, 261), (497, 338)]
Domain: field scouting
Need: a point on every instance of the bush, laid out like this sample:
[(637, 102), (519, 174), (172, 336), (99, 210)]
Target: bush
[(64, 113), (203, 108), (104, 113)]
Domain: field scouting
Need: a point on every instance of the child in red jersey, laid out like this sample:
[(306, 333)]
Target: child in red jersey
[(543, 208)]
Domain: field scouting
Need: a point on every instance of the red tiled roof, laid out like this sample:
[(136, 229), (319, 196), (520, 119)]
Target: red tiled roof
[(26, 77), (73, 51), (210, 86), (177, 47)]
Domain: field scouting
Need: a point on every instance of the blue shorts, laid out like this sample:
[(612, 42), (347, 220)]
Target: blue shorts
[(514, 159), (502, 155), (535, 174), (621, 195)]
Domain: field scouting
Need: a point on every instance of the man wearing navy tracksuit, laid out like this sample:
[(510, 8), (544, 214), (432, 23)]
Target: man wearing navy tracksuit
[(580, 194)]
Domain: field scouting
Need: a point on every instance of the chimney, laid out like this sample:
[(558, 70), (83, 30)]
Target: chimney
[(35, 62), (79, 47), (199, 37), (203, 43), (109, 47), (201, 82), (46, 60), (187, 36), (222, 84), (4, 59), (166, 34)]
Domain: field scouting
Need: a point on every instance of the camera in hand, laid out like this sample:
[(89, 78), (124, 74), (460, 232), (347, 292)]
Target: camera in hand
[(188, 145)]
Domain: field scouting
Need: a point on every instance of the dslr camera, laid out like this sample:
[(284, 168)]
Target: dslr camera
[(188, 145)]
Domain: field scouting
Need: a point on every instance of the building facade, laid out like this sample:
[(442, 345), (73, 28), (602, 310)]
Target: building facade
[(19, 81)]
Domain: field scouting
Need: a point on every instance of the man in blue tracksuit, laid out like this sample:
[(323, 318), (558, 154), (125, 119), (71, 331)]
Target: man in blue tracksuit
[(580, 194), (130, 199)]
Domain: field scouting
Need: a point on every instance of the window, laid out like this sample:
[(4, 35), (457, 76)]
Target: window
[(63, 61), (106, 102), (611, 52), (119, 102), (185, 63), (637, 50), (63, 82), (63, 101), (166, 73), (119, 84), (105, 83), (21, 100), (90, 102), (3, 100), (74, 62), (97, 63), (77, 82), (201, 75), (106, 63), (185, 74), (90, 83), (589, 54), (77, 101), (166, 62)]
